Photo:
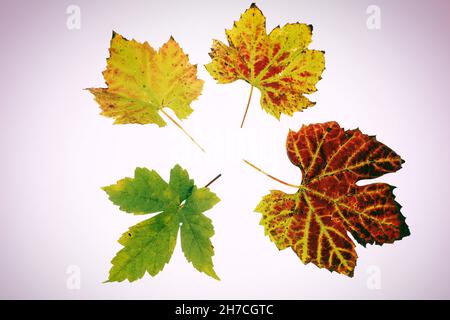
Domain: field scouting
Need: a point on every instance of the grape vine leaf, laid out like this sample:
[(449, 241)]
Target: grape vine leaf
[(148, 245), (141, 81), (279, 64), (314, 221)]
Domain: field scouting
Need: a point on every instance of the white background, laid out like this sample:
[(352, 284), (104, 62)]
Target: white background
[(57, 151)]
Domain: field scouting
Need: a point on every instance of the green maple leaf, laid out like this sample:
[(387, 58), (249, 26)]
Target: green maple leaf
[(148, 245)]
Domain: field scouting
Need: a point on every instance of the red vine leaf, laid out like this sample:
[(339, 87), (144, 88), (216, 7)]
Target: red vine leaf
[(315, 220)]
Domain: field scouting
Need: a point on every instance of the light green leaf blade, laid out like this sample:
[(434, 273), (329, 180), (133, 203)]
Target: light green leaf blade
[(197, 229), (148, 246), (201, 200), (179, 182), (146, 193), (178, 79)]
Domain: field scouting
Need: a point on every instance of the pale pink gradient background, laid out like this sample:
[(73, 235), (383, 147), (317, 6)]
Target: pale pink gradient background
[(57, 151)]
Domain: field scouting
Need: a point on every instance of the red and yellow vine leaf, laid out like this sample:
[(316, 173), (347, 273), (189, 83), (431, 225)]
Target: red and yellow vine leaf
[(315, 220), (279, 64), (141, 82)]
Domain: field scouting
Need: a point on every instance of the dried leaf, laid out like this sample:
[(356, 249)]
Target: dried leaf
[(141, 82), (315, 220), (279, 64)]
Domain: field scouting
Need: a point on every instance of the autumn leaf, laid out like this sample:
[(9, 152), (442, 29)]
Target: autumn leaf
[(315, 221), (148, 246), (142, 82), (279, 64)]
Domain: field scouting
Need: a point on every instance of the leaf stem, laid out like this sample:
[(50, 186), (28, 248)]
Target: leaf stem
[(182, 129), (209, 183), (270, 176), (248, 104)]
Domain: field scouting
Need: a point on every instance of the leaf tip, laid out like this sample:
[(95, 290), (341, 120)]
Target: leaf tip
[(212, 273), (404, 230)]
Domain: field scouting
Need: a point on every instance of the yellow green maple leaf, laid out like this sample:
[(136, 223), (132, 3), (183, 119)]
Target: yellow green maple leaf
[(142, 81), (279, 64)]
